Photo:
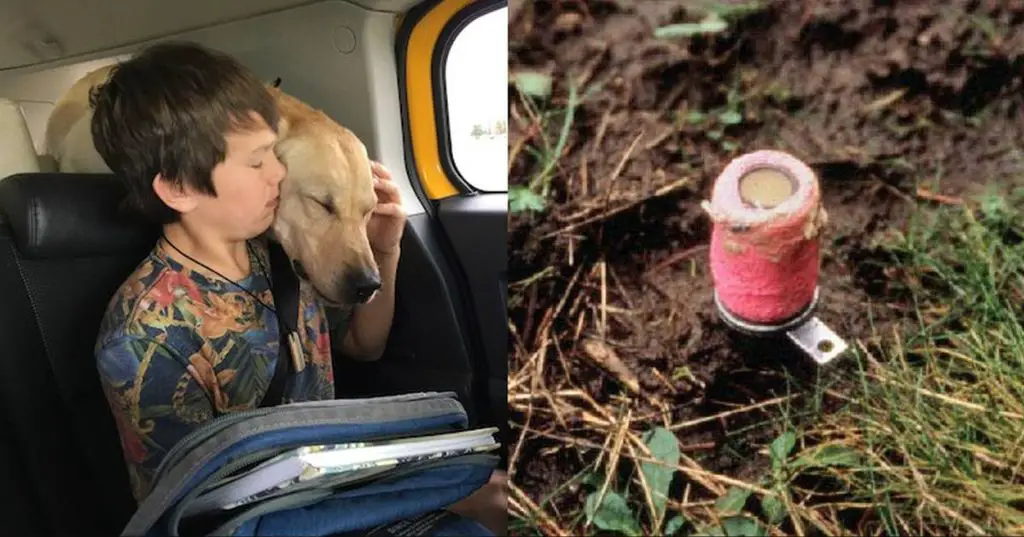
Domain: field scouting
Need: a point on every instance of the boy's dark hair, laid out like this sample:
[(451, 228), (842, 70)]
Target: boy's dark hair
[(167, 111)]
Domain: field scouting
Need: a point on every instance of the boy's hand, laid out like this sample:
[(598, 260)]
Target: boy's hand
[(488, 505), (388, 220)]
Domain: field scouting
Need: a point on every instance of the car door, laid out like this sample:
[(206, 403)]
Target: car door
[(450, 326)]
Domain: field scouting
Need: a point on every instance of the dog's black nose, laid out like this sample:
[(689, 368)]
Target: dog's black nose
[(362, 284)]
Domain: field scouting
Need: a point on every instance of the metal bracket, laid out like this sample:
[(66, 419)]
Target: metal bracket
[(818, 340), (809, 333)]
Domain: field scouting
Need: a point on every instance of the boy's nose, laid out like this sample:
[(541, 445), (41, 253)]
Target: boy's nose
[(278, 172)]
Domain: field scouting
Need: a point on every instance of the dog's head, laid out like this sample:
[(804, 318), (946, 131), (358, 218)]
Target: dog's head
[(326, 202)]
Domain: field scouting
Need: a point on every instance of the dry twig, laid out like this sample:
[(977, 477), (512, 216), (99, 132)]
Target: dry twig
[(939, 198), (606, 357)]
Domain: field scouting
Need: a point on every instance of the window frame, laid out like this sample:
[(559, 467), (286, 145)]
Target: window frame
[(423, 36), (439, 61)]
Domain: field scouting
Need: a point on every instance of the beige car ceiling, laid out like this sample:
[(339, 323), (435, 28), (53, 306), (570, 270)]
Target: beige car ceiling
[(42, 31)]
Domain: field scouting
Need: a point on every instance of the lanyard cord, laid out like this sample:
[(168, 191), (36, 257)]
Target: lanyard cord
[(252, 255)]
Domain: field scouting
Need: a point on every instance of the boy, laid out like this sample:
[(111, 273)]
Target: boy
[(192, 333)]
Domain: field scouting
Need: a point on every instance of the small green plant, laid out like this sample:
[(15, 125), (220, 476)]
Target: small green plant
[(775, 505), (611, 511), (732, 520), (532, 84), (535, 88), (715, 122), (711, 24), (731, 505), (716, 17), (523, 199)]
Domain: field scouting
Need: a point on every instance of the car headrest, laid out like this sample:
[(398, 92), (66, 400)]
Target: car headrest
[(66, 215), (17, 154)]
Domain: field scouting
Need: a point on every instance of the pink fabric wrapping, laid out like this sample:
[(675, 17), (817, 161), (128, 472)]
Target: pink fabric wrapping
[(764, 262)]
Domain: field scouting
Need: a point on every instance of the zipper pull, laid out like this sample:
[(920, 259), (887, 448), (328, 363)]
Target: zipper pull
[(298, 358)]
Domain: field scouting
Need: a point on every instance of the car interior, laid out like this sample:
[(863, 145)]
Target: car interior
[(375, 66)]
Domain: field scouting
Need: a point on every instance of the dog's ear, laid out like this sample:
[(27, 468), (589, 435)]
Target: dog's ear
[(277, 82)]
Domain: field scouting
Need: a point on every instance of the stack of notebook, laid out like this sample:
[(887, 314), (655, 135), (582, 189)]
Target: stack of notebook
[(336, 464)]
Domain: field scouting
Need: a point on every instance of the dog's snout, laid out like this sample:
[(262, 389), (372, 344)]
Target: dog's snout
[(362, 284)]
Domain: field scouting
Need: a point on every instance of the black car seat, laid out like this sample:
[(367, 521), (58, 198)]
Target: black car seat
[(17, 512), (64, 250)]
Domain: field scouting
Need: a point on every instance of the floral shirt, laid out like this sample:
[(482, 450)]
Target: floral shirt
[(177, 348)]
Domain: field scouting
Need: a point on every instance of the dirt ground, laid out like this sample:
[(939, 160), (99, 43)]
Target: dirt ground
[(896, 105)]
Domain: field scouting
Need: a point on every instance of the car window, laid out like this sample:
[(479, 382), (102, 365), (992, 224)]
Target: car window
[(476, 94)]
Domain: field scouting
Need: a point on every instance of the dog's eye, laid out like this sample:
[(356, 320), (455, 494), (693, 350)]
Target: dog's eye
[(327, 206)]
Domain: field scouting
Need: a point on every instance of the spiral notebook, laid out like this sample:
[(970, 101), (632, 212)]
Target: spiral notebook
[(308, 465)]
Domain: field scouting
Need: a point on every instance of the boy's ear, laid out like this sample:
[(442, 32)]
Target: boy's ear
[(175, 196)]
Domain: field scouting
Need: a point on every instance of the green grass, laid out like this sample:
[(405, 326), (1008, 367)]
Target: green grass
[(928, 440), (936, 420)]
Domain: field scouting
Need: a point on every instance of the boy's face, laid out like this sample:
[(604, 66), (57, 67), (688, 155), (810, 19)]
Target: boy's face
[(247, 185)]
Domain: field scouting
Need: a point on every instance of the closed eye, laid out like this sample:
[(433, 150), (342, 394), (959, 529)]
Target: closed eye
[(325, 205)]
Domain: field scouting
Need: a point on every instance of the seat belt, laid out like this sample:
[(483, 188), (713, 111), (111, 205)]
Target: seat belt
[(286, 302)]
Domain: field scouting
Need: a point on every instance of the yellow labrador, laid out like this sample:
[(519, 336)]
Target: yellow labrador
[(326, 198)]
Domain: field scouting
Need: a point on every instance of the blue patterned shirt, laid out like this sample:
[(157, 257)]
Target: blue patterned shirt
[(177, 347)]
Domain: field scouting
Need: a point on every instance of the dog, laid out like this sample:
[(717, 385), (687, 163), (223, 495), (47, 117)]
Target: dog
[(325, 197)]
